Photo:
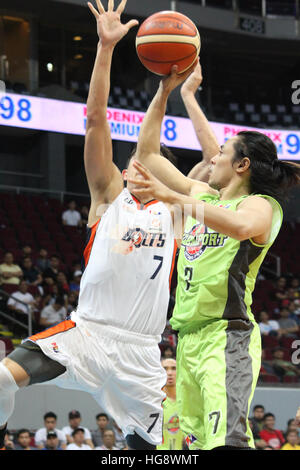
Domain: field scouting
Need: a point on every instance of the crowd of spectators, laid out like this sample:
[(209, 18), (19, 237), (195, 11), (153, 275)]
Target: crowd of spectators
[(267, 437), (108, 436), (73, 436)]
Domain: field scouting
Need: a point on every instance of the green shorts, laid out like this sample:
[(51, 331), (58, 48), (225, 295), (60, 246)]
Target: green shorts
[(217, 372)]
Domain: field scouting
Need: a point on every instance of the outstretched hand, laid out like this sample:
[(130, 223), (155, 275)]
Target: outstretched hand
[(109, 27), (172, 81), (149, 187)]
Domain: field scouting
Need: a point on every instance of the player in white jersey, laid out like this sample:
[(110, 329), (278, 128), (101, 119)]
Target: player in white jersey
[(109, 346)]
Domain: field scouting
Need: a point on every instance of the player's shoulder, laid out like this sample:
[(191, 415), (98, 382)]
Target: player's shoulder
[(256, 202), (197, 187)]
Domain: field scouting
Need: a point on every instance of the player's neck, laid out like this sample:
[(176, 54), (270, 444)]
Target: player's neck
[(171, 392), (142, 201), (235, 189)]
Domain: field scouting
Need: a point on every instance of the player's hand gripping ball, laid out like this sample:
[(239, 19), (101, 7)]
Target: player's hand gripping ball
[(167, 38)]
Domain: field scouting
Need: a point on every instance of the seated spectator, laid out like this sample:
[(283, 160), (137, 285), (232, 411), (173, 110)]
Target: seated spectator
[(281, 367), (23, 440), (53, 269), (102, 421), (50, 420), (268, 327), (295, 284), (17, 308), (120, 441), (71, 216), (78, 441), (294, 310), (51, 293), (292, 426), (31, 274), (26, 251), (10, 273), (273, 437), (288, 326), (280, 289), (258, 442), (266, 367), (108, 441), (43, 262), (8, 441), (52, 442), (292, 441), (74, 423), (71, 301), (53, 314), (258, 418), (75, 284), (84, 212), (169, 353), (62, 283)]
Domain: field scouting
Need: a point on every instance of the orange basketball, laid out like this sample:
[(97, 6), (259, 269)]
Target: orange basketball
[(167, 38)]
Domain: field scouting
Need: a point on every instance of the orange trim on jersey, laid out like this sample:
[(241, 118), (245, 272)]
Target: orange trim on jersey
[(54, 330), (154, 201), (143, 206), (88, 248), (173, 262)]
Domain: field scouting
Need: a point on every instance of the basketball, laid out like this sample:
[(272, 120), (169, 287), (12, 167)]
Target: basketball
[(165, 39)]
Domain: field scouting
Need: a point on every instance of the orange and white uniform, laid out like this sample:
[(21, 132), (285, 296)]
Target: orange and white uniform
[(109, 345)]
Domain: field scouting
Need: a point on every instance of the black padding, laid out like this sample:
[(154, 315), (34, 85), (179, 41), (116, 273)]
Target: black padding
[(38, 366), (136, 442)]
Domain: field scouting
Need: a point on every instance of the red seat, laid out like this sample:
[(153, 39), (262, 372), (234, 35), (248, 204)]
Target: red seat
[(269, 378), (9, 288), (290, 379), (9, 347), (270, 342)]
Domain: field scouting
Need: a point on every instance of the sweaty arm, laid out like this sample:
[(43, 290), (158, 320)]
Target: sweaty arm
[(205, 135), (148, 147)]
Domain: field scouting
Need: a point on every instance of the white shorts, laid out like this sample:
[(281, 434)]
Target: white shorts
[(120, 369)]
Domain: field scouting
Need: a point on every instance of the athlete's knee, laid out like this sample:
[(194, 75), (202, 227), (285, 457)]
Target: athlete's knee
[(8, 388), (18, 373), (136, 442)]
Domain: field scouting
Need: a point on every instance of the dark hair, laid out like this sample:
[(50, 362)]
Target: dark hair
[(268, 415), (164, 151), (102, 414), (258, 406), (268, 174), (22, 431), (77, 430), (59, 300), (50, 414)]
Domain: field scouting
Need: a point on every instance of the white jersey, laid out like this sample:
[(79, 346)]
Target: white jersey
[(129, 258)]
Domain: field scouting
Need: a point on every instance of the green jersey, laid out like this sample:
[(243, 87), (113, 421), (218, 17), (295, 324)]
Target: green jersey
[(172, 434), (216, 273)]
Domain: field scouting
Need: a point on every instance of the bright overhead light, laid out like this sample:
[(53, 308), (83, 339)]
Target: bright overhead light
[(49, 67), (77, 38)]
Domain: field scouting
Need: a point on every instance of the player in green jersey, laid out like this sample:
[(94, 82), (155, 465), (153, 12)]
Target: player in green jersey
[(223, 246), (173, 437)]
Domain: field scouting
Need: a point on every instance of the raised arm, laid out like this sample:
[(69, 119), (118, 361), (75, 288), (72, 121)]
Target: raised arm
[(252, 219), (206, 137), (104, 178), (148, 146)]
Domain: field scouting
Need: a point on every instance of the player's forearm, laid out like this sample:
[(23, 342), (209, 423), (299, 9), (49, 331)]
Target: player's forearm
[(206, 137), (149, 135), (221, 220), (99, 86)]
